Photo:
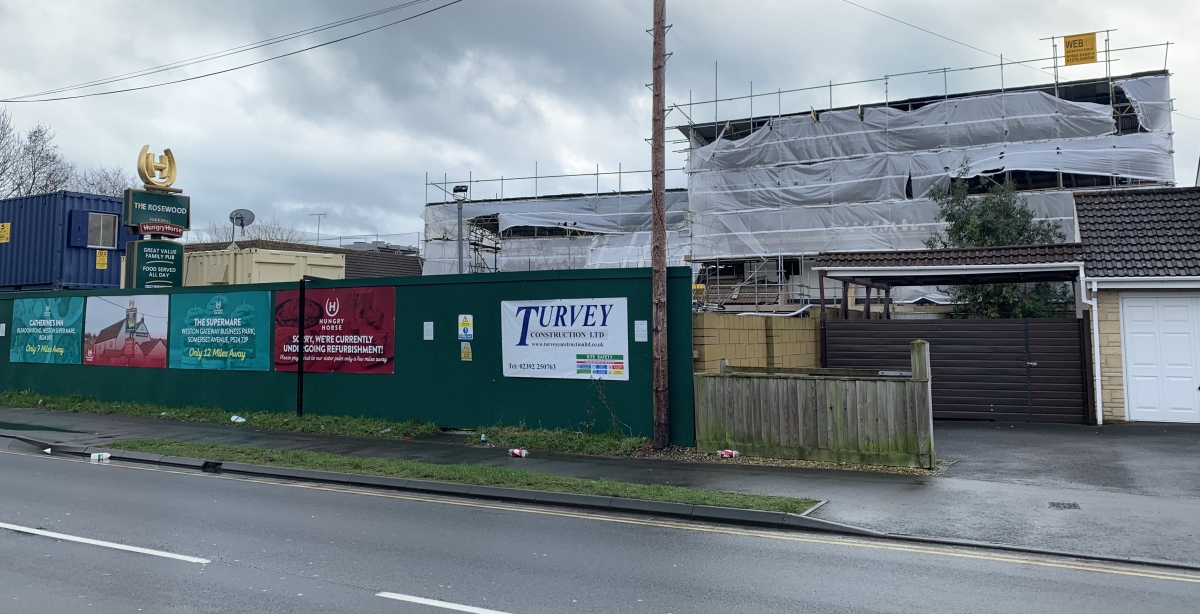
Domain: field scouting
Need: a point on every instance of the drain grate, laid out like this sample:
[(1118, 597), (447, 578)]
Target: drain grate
[(1064, 505)]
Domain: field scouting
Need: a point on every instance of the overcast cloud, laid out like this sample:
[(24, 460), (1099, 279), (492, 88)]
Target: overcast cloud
[(491, 87)]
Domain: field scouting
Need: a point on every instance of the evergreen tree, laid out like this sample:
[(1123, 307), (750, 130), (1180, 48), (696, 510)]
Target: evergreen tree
[(999, 217)]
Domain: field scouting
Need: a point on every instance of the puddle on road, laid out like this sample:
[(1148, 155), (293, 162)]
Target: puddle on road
[(12, 426)]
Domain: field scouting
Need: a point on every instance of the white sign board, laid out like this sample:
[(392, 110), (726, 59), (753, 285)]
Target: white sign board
[(639, 330), (427, 332), (466, 327), (578, 338)]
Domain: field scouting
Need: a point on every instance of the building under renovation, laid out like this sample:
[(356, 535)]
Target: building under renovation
[(765, 194)]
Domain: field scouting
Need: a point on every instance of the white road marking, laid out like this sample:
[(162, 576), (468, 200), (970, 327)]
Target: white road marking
[(445, 605), (96, 542)]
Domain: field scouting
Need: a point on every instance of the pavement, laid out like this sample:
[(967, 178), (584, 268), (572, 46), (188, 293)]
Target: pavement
[(212, 543), (1129, 490)]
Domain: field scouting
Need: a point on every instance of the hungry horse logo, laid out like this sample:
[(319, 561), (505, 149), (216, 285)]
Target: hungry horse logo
[(332, 306), (218, 308)]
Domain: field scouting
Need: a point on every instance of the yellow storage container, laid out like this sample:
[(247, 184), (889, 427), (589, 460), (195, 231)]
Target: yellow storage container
[(259, 266)]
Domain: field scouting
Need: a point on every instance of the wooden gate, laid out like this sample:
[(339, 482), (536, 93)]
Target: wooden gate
[(1007, 370)]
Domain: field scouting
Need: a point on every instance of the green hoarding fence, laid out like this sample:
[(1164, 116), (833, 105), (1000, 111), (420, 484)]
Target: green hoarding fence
[(217, 360)]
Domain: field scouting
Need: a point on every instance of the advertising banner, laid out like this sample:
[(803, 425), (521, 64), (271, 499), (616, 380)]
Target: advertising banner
[(126, 331), (346, 330), (579, 338), (153, 264), (224, 331), (47, 330)]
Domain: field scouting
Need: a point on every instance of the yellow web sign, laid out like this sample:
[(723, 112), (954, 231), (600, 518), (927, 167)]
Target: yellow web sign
[(5, 232), (101, 259), (1079, 48)]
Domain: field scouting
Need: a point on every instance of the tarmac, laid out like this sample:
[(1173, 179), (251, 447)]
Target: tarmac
[(1128, 490)]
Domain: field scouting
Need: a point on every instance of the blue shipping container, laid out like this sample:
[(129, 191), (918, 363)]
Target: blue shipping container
[(50, 241)]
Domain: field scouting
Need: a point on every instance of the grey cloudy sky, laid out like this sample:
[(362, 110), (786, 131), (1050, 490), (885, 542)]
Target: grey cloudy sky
[(491, 87)]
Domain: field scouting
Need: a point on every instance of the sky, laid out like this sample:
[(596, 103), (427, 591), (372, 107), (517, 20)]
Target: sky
[(490, 88)]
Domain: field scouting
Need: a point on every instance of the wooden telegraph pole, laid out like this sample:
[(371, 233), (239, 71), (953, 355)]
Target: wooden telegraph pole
[(658, 235)]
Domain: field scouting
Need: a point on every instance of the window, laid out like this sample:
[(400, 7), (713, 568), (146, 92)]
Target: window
[(102, 230)]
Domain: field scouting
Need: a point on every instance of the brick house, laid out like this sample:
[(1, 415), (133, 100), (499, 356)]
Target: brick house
[(1142, 254)]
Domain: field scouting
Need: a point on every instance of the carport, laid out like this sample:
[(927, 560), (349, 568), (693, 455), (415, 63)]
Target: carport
[(1017, 370)]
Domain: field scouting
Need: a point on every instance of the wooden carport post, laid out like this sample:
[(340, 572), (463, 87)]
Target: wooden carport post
[(821, 285), (845, 310)]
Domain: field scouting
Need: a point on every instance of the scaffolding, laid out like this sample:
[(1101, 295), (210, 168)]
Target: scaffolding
[(767, 192)]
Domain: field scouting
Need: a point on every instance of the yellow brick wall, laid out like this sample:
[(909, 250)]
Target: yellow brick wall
[(1112, 372), (754, 341)]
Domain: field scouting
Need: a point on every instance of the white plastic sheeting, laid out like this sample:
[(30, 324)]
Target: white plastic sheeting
[(602, 213), (735, 233), (544, 253), (1151, 98), (633, 250), (959, 122), (625, 216), (625, 250), (1145, 156)]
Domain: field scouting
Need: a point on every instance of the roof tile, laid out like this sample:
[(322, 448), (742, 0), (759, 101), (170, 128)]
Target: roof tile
[(1140, 233)]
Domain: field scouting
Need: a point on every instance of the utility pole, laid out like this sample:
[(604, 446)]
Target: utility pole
[(658, 234)]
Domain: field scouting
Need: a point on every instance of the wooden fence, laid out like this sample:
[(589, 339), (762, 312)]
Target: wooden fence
[(827, 415)]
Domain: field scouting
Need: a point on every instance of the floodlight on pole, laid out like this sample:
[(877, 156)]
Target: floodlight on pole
[(319, 216), (461, 193)]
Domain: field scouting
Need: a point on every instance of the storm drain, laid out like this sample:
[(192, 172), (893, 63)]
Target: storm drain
[(1064, 505)]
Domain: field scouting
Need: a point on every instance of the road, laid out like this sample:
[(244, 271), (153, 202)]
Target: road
[(298, 548)]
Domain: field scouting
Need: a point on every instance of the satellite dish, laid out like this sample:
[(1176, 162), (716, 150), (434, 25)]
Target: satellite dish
[(242, 218)]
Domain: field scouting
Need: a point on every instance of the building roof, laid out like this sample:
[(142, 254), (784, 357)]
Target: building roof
[(110, 332), (1020, 254), (148, 346), (1140, 233), (359, 263), (1022, 263)]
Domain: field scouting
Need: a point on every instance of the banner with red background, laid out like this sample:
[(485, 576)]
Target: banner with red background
[(347, 330)]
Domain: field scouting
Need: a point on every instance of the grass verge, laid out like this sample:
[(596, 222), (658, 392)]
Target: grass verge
[(611, 443), (480, 475), (309, 423)]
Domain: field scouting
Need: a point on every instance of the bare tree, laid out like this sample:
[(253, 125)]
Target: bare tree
[(10, 147), (30, 163), (273, 229), (105, 180)]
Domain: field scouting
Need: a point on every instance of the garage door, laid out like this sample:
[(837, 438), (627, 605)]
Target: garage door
[(1162, 373)]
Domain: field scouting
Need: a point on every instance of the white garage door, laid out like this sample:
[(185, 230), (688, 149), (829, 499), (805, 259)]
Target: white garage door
[(1162, 366)]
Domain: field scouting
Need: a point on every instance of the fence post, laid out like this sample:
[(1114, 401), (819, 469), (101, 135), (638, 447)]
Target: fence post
[(923, 401)]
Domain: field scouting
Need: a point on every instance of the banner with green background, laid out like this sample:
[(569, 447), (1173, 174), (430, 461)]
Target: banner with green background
[(224, 331), (47, 330)]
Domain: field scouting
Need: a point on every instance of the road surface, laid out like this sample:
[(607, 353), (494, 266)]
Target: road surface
[(222, 544)]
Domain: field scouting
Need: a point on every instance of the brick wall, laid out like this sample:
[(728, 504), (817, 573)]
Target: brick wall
[(1112, 372), (754, 341)]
